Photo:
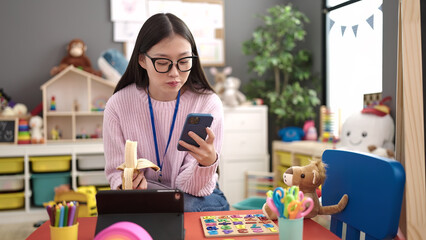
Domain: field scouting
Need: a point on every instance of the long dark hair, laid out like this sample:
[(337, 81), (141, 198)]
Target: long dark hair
[(155, 29)]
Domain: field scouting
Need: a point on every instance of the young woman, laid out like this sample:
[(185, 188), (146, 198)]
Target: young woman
[(163, 83)]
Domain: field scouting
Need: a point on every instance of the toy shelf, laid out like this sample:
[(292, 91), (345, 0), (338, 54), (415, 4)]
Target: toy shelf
[(84, 167), (73, 104)]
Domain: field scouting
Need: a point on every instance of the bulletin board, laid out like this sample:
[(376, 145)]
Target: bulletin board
[(205, 19)]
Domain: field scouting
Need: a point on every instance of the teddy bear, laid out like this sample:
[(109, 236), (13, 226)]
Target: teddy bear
[(76, 56), (231, 96), (309, 178), (219, 79)]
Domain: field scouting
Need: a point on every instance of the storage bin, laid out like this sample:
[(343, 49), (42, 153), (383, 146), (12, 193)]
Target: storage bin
[(284, 158), (91, 162), (11, 165), (96, 179), (43, 186), (12, 200), (12, 183), (302, 160), (50, 163)]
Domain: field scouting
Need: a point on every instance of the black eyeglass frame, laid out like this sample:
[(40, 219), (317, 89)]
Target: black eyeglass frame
[(193, 57)]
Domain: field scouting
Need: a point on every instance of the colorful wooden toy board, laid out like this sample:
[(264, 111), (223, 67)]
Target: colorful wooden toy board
[(237, 225)]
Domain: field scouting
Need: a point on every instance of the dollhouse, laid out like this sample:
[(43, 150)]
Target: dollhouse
[(73, 104)]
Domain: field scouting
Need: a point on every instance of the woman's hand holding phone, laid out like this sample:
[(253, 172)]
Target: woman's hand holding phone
[(198, 138), (205, 154)]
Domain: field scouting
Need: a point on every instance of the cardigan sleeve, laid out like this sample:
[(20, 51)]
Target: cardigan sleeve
[(113, 147), (200, 180)]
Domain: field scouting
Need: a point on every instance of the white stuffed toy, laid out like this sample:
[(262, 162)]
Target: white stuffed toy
[(36, 123), (232, 96), (372, 126)]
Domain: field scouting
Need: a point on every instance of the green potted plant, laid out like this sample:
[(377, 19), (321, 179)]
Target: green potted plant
[(284, 80)]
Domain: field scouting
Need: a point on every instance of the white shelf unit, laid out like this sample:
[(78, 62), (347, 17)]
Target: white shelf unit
[(245, 148), (31, 212), (79, 101)]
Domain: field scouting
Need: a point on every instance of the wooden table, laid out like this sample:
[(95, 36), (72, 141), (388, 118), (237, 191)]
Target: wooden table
[(193, 230)]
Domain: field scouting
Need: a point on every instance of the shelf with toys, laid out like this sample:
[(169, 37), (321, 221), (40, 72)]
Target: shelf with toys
[(73, 104), (30, 172)]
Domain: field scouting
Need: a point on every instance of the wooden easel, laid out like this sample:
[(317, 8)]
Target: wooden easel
[(410, 146)]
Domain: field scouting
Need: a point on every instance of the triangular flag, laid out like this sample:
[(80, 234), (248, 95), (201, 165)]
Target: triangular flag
[(370, 21), (380, 8), (343, 30), (331, 24), (355, 29)]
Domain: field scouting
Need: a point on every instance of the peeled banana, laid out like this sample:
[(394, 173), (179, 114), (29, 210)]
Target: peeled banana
[(132, 164)]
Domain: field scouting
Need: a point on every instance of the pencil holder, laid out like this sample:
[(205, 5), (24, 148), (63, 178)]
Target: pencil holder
[(290, 229), (64, 233)]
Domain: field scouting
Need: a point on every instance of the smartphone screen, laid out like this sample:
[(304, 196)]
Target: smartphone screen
[(197, 123)]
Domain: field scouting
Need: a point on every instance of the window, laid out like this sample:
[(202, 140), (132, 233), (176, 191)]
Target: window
[(354, 40)]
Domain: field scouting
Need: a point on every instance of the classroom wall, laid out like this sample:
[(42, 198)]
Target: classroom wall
[(35, 34)]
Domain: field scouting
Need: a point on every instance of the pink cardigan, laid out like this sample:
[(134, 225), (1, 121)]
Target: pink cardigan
[(127, 117)]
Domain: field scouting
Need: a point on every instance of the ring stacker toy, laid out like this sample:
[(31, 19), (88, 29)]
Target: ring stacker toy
[(132, 164)]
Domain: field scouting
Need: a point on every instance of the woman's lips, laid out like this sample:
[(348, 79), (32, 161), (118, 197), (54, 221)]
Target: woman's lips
[(173, 84)]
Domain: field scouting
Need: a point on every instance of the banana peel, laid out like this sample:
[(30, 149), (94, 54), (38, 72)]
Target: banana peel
[(132, 164)]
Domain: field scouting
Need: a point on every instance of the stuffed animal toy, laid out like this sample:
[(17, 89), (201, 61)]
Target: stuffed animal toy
[(219, 79), (112, 64), (309, 178), (36, 123), (231, 96), (76, 56), (382, 152), (18, 110), (372, 126), (310, 131)]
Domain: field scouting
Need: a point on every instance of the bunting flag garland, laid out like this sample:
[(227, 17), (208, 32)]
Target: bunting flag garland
[(355, 29), (369, 20)]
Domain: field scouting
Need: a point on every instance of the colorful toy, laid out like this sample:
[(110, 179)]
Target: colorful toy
[(53, 104), (237, 225), (124, 231), (4, 100), (289, 134), (310, 131), (55, 133), (326, 125), (309, 178), (371, 126), (36, 124), (23, 133)]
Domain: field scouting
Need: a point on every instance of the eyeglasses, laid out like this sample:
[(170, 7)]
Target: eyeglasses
[(163, 65)]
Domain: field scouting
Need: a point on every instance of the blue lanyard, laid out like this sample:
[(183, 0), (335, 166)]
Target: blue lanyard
[(155, 135)]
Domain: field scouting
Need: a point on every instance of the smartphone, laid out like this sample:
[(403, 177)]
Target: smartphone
[(197, 123)]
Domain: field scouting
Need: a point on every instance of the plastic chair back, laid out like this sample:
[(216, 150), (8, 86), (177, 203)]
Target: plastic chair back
[(375, 186)]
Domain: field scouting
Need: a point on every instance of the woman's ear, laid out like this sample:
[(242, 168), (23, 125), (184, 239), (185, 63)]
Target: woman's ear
[(141, 60)]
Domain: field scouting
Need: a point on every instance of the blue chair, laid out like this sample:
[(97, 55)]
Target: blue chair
[(375, 186)]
